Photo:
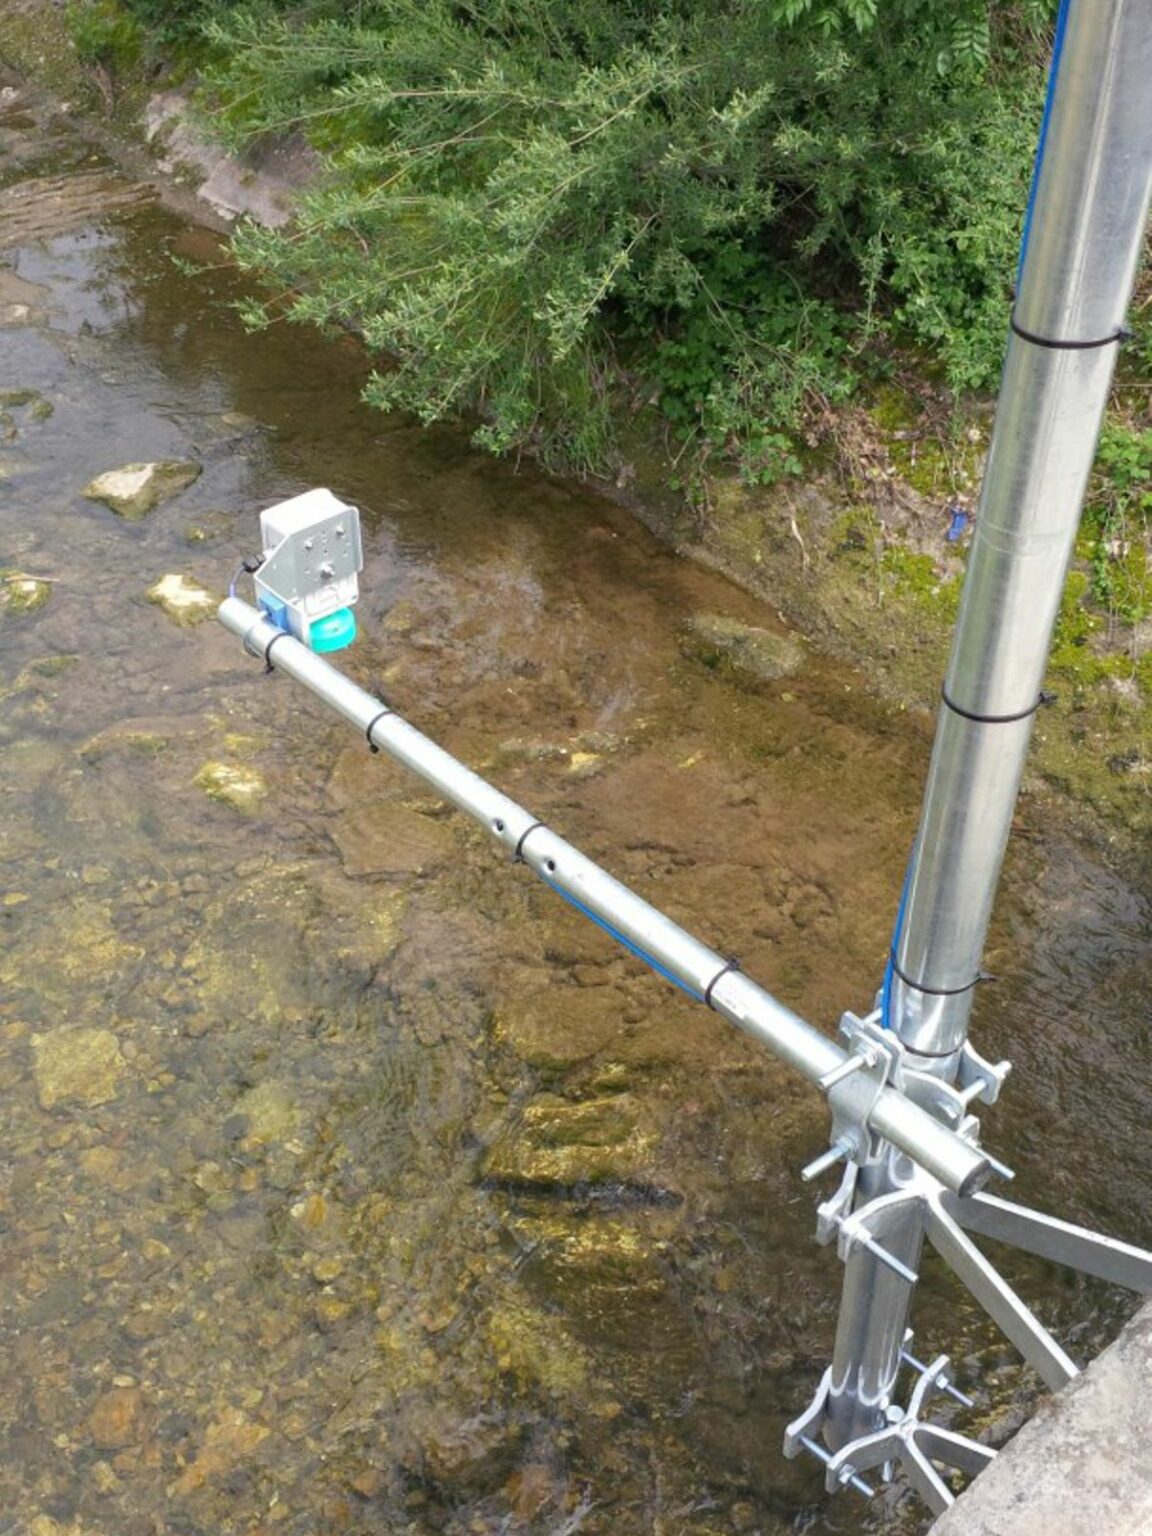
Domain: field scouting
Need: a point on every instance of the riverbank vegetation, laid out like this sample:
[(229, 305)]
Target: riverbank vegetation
[(548, 211), (774, 235)]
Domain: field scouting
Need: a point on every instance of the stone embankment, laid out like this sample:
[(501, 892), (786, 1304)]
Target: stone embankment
[(1082, 1465)]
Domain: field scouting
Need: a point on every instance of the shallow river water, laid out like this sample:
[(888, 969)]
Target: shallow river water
[(349, 1182)]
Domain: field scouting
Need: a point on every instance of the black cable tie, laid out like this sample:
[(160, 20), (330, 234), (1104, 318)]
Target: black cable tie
[(1023, 714), (987, 976), (372, 747), (1066, 346), (1047, 698), (280, 635), (252, 564), (731, 964), (518, 856), (937, 991)]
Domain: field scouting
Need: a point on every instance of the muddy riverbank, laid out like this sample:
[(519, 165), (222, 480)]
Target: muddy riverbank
[(351, 1183)]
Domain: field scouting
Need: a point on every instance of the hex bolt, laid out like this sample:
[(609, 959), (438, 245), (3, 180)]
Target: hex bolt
[(838, 1150), (854, 1063)]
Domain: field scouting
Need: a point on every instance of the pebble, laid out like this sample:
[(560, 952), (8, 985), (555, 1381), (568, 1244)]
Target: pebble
[(116, 1419)]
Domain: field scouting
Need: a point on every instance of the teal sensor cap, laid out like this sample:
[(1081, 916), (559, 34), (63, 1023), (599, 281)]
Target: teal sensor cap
[(333, 633)]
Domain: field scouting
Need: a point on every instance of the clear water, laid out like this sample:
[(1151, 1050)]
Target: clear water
[(395, 1199)]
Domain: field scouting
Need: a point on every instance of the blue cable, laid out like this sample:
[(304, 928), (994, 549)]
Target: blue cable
[(1049, 99), (890, 968), (633, 949)]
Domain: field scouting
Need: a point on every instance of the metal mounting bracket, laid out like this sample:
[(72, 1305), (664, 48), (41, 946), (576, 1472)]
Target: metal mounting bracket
[(873, 1062), (912, 1444), (908, 1441)]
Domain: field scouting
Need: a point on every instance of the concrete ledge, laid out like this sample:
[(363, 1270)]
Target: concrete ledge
[(263, 185), (1082, 1466)]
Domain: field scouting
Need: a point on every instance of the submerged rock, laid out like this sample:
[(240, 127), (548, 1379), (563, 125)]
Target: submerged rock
[(558, 1142), (116, 1419), (758, 653), (536, 1348), (231, 1440), (472, 1457), (551, 1028), (270, 1110), (133, 490), (389, 840), (76, 1066), (183, 599), (20, 594), (232, 784)]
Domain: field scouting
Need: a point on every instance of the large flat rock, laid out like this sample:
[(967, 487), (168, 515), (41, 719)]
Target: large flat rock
[(1082, 1465)]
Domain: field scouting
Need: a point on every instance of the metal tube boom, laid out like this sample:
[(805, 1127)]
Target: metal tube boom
[(647, 932)]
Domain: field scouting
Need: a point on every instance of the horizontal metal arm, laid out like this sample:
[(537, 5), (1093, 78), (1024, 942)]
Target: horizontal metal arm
[(662, 944)]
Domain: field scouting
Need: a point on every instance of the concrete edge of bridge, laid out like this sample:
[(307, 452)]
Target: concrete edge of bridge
[(1082, 1465)]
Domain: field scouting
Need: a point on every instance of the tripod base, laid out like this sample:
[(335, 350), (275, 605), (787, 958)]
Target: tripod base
[(904, 1441)]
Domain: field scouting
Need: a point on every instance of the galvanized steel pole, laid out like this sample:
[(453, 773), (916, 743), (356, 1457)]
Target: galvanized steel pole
[(1081, 249)]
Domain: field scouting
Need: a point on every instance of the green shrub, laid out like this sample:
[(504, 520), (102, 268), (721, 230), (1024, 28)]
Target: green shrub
[(1118, 522), (104, 35), (721, 203)]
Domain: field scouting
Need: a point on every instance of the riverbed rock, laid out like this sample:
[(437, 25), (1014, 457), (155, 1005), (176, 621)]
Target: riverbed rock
[(389, 840), (232, 784), (117, 1419), (21, 594), (756, 653), (134, 490), (552, 1028), (535, 1348), (473, 1456), (229, 1441), (270, 1110), (264, 184), (76, 1066), (185, 601), (556, 1142), (21, 302)]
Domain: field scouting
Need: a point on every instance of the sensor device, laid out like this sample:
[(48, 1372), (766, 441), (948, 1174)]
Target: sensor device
[(306, 583)]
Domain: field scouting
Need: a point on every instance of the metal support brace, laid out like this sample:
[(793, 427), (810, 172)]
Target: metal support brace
[(1106, 1258)]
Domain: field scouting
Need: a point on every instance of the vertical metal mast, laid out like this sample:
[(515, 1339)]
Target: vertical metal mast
[(1081, 248), (1080, 252)]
